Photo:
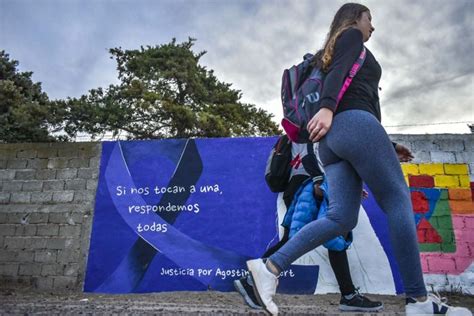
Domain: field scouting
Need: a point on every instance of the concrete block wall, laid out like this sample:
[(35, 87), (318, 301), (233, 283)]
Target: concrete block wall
[(443, 163), (440, 148), (47, 194)]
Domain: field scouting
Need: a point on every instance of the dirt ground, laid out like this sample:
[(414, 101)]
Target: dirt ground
[(28, 302)]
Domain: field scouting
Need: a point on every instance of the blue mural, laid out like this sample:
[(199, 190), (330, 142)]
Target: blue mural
[(183, 214)]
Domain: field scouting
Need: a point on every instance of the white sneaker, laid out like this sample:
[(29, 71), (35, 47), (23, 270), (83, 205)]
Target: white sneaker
[(265, 284), (434, 305)]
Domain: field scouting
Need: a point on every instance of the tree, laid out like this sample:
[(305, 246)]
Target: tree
[(25, 111), (165, 92)]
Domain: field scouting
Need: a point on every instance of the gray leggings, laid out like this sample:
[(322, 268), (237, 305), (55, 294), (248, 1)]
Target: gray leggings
[(357, 149)]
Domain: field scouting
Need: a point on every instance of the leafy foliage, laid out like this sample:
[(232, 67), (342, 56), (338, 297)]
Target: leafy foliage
[(164, 92), (26, 115)]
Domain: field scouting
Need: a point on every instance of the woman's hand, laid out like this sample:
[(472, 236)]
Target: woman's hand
[(320, 124), (404, 154)]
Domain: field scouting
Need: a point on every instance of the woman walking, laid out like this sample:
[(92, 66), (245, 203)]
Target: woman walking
[(354, 147)]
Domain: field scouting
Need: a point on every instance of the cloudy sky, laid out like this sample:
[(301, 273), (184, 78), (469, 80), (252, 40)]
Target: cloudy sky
[(424, 47)]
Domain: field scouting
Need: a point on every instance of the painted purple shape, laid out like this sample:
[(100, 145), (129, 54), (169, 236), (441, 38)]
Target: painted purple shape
[(379, 223)]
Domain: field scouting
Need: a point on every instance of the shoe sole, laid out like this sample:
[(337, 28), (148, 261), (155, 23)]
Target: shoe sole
[(238, 286), (250, 266), (345, 308)]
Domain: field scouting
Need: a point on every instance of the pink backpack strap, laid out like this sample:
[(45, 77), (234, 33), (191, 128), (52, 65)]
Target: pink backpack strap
[(355, 68)]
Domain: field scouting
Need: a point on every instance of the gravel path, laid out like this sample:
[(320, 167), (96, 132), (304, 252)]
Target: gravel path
[(27, 302)]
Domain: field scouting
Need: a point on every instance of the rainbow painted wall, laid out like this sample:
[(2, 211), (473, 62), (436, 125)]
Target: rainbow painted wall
[(442, 197)]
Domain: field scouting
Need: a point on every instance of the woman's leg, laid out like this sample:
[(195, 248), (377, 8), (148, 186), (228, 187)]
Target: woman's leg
[(348, 186), (341, 216), (374, 159)]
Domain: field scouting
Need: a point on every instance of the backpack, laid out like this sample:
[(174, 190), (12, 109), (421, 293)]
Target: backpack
[(278, 169), (301, 88)]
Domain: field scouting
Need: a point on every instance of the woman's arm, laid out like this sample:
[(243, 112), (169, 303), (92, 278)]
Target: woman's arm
[(346, 52)]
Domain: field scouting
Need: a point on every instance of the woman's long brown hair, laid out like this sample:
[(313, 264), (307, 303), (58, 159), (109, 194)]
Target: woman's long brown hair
[(345, 18)]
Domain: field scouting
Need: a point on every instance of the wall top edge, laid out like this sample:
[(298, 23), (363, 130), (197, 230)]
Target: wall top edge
[(67, 144)]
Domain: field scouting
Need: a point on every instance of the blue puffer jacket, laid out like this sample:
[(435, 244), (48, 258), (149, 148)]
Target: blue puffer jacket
[(305, 208)]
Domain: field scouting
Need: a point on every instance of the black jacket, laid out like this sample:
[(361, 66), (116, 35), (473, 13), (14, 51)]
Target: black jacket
[(362, 94)]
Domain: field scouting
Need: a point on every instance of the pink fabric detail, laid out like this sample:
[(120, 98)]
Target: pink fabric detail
[(354, 70), (345, 86), (291, 130), (352, 74), (296, 162)]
